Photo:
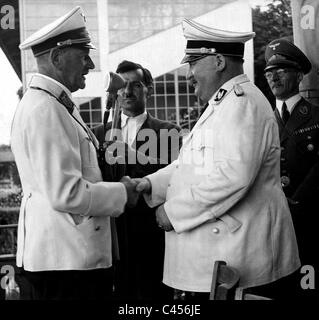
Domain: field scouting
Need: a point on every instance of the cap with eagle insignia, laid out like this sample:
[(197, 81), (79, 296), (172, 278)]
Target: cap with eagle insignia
[(68, 30), (203, 41), (283, 53)]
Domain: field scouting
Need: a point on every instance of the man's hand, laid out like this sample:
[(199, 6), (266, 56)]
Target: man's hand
[(162, 219), (132, 194), (143, 185)]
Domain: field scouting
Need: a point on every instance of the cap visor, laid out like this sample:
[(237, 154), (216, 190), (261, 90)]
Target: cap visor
[(90, 46), (189, 58), (281, 63)]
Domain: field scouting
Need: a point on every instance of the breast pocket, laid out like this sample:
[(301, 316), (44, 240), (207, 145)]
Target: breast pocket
[(88, 153)]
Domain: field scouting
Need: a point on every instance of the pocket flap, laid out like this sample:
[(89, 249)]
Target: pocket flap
[(232, 223)]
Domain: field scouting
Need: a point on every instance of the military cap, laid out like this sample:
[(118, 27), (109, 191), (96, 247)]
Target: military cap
[(68, 30), (282, 53), (203, 41)]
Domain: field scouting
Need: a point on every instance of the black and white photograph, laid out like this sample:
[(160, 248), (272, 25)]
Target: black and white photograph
[(157, 155)]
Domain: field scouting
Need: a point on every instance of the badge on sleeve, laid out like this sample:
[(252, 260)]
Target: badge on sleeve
[(304, 110), (220, 94)]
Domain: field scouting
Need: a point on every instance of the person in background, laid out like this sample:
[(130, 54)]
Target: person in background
[(298, 122), (139, 272)]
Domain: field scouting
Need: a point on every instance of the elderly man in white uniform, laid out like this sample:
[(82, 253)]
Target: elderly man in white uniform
[(222, 199), (64, 240)]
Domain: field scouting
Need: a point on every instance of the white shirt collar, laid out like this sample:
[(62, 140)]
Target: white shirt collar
[(68, 92), (139, 120), (291, 102)]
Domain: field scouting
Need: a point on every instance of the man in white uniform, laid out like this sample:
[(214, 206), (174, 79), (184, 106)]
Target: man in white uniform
[(222, 198), (64, 240)]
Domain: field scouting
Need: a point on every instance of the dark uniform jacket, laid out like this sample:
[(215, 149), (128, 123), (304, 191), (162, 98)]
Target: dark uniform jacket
[(139, 272), (299, 141)]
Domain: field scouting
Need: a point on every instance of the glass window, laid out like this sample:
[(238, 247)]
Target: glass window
[(160, 101), (161, 114), (159, 88), (170, 88), (90, 110), (168, 93)]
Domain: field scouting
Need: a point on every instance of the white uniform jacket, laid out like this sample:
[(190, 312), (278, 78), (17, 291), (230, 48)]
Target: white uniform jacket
[(64, 219), (223, 195)]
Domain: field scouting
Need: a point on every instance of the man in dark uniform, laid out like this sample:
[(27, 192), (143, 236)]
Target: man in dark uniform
[(139, 272), (298, 122)]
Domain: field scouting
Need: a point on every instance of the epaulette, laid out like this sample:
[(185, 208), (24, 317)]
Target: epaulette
[(238, 90)]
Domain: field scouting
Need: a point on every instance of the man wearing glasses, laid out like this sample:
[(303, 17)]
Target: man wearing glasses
[(298, 122)]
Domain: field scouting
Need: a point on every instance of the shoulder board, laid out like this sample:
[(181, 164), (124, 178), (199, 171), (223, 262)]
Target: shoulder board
[(238, 90)]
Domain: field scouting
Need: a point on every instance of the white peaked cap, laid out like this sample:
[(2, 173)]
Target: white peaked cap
[(203, 41), (68, 30)]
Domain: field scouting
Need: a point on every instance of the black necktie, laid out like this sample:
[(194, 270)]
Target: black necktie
[(284, 113), (203, 109)]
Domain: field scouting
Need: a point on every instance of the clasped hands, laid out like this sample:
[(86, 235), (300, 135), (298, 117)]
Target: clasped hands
[(134, 187)]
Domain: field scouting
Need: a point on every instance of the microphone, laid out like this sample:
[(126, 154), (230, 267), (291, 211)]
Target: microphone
[(113, 82)]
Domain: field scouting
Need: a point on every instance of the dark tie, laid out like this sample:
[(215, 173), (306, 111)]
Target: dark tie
[(203, 109), (284, 113)]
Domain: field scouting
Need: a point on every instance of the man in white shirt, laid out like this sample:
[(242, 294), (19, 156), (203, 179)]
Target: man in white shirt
[(64, 240), (298, 122), (139, 272)]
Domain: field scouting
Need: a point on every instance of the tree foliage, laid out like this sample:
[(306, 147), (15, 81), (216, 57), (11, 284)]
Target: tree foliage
[(270, 24)]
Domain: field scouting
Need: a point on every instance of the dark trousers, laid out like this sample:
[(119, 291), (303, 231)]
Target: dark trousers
[(65, 285)]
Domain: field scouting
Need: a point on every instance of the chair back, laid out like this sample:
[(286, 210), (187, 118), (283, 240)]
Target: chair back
[(224, 282)]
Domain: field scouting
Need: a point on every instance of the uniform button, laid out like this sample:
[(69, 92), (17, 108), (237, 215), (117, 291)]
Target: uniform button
[(97, 228), (216, 230), (310, 147)]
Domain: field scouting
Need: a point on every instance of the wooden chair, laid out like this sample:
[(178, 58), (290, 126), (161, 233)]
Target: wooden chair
[(224, 282), (241, 295)]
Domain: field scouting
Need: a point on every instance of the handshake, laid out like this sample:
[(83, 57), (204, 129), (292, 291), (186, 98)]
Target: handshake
[(134, 187)]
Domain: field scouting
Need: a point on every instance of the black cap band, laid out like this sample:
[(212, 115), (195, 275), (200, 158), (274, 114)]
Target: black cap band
[(227, 48), (74, 37)]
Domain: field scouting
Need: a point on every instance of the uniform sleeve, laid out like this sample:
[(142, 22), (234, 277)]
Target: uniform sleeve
[(53, 147), (159, 181), (241, 142)]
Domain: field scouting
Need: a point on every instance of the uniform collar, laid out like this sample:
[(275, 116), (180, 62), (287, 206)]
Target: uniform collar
[(291, 102), (139, 120), (59, 84)]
